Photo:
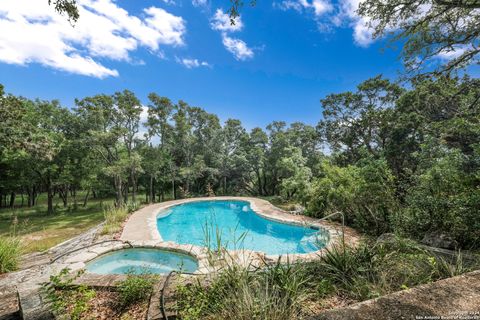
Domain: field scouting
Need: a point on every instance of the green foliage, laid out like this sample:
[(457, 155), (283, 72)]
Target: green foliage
[(68, 301), (68, 7), (279, 291), (427, 29), (364, 193), (135, 288), (10, 252), (444, 200), (373, 269), (273, 293), (401, 160)]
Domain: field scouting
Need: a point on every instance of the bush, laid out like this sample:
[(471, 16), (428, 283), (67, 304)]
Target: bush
[(373, 269), (366, 271), (444, 200), (364, 193), (10, 252), (135, 288)]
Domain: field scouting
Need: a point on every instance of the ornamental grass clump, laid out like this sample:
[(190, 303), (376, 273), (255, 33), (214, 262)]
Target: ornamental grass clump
[(275, 292), (114, 218), (10, 252)]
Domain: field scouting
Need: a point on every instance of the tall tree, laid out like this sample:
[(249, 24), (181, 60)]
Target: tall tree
[(127, 111), (356, 121), (429, 29)]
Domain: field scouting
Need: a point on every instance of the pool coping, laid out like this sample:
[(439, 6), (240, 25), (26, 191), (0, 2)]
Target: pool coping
[(142, 226), (78, 260)]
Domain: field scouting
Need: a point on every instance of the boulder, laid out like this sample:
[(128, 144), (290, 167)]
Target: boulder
[(439, 240), (386, 237)]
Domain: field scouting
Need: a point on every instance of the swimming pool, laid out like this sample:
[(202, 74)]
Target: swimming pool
[(141, 260), (235, 226)]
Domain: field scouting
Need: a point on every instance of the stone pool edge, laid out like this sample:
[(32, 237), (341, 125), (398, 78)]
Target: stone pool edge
[(134, 229), (79, 260)]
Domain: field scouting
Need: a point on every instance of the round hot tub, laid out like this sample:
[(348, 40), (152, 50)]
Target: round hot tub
[(142, 260)]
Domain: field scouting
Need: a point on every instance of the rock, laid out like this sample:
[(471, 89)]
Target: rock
[(297, 209), (439, 240), (386, 237), (33, 306)]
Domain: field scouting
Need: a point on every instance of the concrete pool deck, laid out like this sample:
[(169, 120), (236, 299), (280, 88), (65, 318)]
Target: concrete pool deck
[(142, 226)]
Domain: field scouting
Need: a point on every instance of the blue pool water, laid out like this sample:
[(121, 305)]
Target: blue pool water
[(141, 260), (236, 226)]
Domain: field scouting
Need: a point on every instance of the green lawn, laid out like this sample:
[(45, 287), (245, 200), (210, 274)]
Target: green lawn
[(40, 231)]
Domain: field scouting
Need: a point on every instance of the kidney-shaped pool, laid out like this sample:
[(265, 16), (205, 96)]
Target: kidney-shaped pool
[(234, 225)]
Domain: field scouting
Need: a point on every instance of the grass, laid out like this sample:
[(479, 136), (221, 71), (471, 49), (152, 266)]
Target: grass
[(135, 288), (274, 293), (10, 251), (114, 218), (295, 291), (39, 231)]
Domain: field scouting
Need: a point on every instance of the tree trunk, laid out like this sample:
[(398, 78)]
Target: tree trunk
[(153, 193), (12, 199), (174, 193), (74, 196), (50, 195), (134, 186), (225, 185), (64, 195), (259, 178), (86, 198), (35, 196), (118, 192), (150, 199), (125, 193)]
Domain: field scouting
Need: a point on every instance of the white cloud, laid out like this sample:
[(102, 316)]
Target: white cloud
[(192, 63), (344, 13), (199, 3), (362, 33), (33, 33), (318, 7), (237, 47), (221, 22), (450, 54)]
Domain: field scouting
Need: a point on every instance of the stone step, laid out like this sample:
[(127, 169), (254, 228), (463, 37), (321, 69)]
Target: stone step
[(9, 307), (33, 306)]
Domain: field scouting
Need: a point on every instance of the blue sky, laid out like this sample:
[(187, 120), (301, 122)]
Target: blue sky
[(276, 63)]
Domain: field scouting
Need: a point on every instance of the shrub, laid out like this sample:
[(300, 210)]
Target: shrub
[(369, 270), (373, 269), (364, 193), (10, 251), (445, 200), (135, 288)]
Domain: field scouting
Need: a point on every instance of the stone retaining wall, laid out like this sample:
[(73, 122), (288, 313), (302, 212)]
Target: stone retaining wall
[(456, 298)]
